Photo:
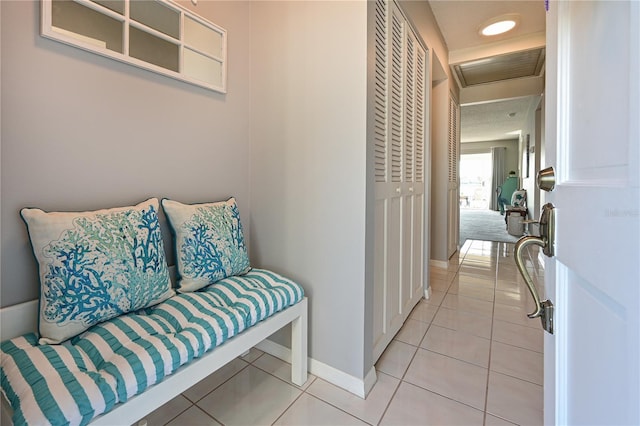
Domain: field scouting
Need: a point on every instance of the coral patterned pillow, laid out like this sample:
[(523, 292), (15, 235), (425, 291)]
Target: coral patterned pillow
[(96, 265), (208, 242)]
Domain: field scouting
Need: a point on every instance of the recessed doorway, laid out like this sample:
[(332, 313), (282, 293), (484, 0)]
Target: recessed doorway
[(475, 181)]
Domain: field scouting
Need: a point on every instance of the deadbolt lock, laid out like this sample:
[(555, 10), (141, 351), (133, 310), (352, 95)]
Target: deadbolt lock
[(546, 179)]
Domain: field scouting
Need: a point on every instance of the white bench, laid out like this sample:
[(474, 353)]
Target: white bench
[(21, 319)]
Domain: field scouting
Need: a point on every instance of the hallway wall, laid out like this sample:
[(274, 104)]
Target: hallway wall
[(421, 16), (308, 164), (82, 132)]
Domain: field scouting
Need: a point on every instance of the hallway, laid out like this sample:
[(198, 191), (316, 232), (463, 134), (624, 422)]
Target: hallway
[(467, 356), (470, 351)]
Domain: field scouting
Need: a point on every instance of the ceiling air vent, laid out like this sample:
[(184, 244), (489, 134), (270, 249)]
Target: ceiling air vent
[(527, 63)]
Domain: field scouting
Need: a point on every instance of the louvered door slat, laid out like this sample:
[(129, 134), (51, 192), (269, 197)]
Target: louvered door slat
[(409, 113), (453, 192), (380, 116), (420, 118), (452, 142), (397, 82)]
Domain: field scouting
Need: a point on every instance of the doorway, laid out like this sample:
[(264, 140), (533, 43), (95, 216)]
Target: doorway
[(478, 219), (475, 181)]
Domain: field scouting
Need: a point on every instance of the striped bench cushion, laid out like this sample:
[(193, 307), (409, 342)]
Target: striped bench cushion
[(74, 382)]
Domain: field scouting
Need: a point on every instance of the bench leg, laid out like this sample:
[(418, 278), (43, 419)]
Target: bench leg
[(299, 348)]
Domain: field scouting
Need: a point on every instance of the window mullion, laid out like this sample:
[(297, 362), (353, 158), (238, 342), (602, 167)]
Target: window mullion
[(127, 20), (208, 55), (101, 9), (181, 47), (153, 32)]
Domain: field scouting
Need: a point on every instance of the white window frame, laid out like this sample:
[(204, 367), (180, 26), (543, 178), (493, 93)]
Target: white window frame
[(75, 40)]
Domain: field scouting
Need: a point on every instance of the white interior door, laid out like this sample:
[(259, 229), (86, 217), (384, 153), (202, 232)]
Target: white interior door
[(592, 362)]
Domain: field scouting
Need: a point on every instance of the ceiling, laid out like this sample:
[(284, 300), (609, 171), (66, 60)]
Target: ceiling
[(501, 77)]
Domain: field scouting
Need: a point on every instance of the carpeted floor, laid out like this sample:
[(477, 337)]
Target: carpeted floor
[(486, 225)]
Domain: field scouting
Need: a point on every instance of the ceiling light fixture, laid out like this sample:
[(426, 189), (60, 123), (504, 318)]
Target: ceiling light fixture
[(499, 25)]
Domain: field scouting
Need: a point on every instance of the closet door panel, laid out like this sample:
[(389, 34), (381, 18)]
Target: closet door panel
[(396, 85), (417, 274), (394, 268), (380, 278), (406, 255), (382, 176), (418, 224), (409, 145)]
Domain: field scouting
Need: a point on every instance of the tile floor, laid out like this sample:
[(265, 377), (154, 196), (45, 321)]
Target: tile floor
[(467, 356)]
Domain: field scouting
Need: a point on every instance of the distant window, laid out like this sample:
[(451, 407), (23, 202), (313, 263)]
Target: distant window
[(157, 35)]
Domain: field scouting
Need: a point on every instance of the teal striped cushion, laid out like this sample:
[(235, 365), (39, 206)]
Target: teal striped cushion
[(73, 382)]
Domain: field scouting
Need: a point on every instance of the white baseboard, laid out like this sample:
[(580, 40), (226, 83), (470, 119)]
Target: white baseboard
[(369, 381), (275, 349), (358, 387), (439, 263), (427, 292)]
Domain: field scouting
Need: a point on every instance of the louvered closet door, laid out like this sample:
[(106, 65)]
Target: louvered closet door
[(394, 188), (390, 40), (418, 219), (453, 194), (399, 160), (413, 187), (383, 188)]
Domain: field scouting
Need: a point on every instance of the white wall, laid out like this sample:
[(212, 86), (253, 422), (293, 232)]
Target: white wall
[(82, 132), (422, 18), (440, 171), (308, 163), (288, 140), (309, 209)]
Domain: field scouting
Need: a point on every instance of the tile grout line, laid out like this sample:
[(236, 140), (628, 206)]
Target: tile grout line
[(484, 412), (393, 395), (288, 406), (195, 403), (401, 381), (493, 312)]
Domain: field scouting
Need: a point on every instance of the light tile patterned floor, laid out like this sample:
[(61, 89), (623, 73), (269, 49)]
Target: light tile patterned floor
[(467, 356)]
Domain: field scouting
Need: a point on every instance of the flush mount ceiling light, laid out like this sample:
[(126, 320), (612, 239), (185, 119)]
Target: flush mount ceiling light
[(499, 25)]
